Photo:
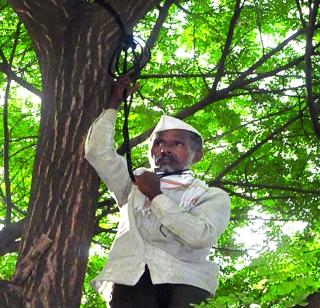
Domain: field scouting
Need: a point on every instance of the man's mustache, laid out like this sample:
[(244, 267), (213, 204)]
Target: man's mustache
[(163, 156)]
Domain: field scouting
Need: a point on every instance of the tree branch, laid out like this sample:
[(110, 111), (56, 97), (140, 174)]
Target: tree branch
[(258, 120), (220, 67), (268, 55), (181, 75), (163, 13), (6, 169), (273, 187), (313, 108), (30, 260), (253, 149), (303, 23), (4, 68), (253, 199), (238, 83), (8, 236)]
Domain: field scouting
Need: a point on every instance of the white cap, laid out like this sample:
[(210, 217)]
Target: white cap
[(167, 122)]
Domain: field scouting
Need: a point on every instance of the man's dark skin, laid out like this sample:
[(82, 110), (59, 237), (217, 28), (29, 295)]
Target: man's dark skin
[(171, 150)]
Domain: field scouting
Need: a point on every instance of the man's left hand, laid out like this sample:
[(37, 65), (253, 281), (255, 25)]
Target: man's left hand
[(149, 184)]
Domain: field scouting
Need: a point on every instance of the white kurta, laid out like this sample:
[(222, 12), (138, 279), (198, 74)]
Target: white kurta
[(174, 242)]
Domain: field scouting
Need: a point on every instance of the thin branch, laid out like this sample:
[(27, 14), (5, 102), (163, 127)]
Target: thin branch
[(313, 108), (303, 22), (259, 27), (220, 68), (215, 96), (253, 199), (241, 158), (182, 75), (241, 83), (303, 167), (163, 13), (23, 138), (273, 187), (268, 116), (4, 68), (269, 219), (102, 245), (268, 55), (6, 65), (14, 207), (6, 169), (22, 149), (99, 230)]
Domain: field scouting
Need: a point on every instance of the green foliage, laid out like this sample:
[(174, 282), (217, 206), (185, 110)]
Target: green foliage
[(89, 297), (281, 278), (7, 265), (278, 175)]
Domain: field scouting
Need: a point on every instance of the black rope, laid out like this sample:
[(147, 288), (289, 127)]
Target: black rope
[(125, 133), (129, 46)]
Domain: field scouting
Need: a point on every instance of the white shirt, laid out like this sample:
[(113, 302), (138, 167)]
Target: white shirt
[(174, 242)]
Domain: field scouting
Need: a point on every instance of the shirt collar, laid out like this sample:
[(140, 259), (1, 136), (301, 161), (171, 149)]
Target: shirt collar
[(162, 174)]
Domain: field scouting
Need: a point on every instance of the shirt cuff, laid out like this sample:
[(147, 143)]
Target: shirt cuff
[(108, 117)]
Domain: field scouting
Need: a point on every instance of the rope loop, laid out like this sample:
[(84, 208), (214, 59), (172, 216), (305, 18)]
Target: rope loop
[(128, 58)]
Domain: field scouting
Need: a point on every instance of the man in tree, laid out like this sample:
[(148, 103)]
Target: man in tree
[(169, 220)]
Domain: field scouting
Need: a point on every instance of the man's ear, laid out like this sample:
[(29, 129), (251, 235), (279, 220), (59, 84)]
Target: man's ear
[(197, 156)]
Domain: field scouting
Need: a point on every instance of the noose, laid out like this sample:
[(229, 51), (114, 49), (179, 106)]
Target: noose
[(120, 65)]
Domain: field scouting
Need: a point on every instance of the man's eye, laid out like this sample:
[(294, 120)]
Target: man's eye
[(178, 144)]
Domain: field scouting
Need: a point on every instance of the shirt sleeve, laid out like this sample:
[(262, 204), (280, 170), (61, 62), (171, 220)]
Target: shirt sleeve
[(200, 227), (100, 153)]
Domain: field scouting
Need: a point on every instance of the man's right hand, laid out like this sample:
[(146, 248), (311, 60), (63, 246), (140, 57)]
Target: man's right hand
[(122, 84)]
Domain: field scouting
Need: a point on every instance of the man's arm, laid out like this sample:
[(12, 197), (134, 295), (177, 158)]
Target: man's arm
[(99, 150), (200, 227)]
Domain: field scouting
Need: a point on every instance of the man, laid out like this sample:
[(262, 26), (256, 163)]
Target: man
[(168, 219)]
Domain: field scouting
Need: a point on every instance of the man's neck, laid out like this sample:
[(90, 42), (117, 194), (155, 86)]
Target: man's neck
[(162, 174)]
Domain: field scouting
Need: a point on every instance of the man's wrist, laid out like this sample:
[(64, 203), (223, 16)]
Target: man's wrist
[(113, 104), (155, 194)]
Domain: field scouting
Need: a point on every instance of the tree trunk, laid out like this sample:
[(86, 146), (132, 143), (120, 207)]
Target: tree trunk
[(314, 300), (74, 41)]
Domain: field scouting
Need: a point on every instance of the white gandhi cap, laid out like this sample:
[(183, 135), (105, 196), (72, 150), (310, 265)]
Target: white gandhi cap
[(167, 123)]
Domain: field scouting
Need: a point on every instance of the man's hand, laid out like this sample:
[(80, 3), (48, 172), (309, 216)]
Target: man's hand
[(149, 184), (122, 84)]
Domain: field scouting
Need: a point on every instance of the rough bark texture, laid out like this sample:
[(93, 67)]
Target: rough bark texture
[(74, 41), (313, 301)]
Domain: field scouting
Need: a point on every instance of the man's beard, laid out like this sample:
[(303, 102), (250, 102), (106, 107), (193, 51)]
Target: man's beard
[(166, 163)]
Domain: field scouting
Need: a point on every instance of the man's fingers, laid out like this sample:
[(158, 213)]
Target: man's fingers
[(134, 88), (124, 83)]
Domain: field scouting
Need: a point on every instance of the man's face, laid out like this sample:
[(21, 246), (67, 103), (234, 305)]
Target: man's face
[(171, 150)]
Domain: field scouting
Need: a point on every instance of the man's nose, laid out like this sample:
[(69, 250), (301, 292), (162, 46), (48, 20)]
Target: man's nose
[(166, 149)]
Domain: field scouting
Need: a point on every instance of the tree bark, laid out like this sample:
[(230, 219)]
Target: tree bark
[(74, 41), (313, 301)]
